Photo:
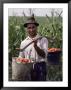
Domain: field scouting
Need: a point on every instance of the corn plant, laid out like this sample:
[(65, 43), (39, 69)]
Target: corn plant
[(49, 27), (16, 34)]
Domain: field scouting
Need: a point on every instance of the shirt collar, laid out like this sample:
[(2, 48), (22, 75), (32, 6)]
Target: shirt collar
[(37, 36)]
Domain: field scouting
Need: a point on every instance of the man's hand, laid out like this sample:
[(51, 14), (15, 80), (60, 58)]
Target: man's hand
[(39, 51)]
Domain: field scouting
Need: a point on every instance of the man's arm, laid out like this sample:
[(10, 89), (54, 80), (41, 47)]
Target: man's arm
[(38, 50)]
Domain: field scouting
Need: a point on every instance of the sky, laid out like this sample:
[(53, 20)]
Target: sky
[(36, 11)]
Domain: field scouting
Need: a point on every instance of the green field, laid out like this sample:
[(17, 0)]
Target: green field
[(50, 27)]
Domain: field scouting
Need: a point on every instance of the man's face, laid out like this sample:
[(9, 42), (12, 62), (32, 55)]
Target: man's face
[(32, 29)]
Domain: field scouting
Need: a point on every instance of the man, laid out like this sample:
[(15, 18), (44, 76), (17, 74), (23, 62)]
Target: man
[(36, 51)]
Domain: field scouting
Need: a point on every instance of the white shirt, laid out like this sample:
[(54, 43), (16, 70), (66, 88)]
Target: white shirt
[(30, 52)]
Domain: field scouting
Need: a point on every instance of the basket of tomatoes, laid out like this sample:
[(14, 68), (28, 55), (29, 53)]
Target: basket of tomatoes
[(21, 68), (54, 55)]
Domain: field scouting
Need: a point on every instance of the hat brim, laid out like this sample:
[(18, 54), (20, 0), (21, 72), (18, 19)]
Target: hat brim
[(25, 25)]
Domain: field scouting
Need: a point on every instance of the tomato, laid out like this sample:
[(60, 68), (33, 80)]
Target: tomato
[(53, 49), (23, 60)]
